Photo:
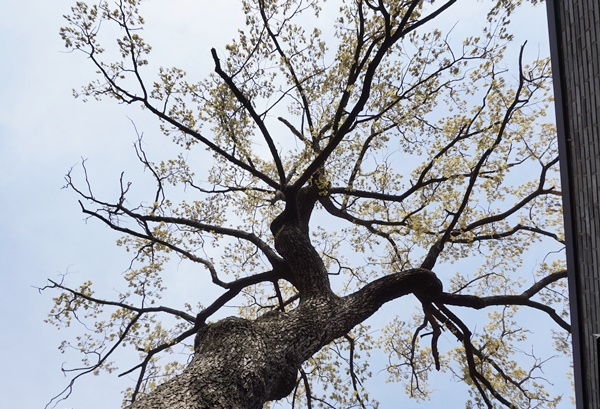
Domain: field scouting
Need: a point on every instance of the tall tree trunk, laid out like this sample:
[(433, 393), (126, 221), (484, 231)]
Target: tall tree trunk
[(240, 363), (243, 364)]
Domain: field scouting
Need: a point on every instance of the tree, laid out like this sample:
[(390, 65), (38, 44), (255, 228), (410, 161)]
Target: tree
[(354, 159)]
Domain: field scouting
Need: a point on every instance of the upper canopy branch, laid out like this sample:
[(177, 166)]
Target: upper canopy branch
[(247, 104), (540, 191), (114, 88), (288, 64), (477, 302), (517, 101), (365, 93), (212, 146)]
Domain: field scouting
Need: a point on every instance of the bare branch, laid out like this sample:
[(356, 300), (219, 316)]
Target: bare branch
[(257, 119), (523, 299), (138, 310)]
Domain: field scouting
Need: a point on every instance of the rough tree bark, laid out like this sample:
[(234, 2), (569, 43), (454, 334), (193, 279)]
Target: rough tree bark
[(240, 363)]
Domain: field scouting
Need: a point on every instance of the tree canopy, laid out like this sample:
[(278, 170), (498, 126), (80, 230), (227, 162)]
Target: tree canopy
[(340, 157)]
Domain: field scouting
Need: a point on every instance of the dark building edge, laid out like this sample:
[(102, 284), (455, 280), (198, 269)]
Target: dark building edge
[(566, 172), (570, 94)]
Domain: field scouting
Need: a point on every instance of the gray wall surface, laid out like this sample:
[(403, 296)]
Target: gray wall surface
[(575, 43)]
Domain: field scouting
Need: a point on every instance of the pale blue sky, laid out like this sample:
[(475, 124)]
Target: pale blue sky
[(43, 132)]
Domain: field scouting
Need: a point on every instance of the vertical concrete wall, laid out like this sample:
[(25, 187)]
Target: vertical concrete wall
[(575, 43)]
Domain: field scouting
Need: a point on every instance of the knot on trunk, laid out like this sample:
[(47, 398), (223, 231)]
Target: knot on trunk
[(427, 286)]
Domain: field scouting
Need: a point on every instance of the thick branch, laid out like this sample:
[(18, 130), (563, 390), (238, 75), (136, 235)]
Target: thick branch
[(234, 288), (366, 301)]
